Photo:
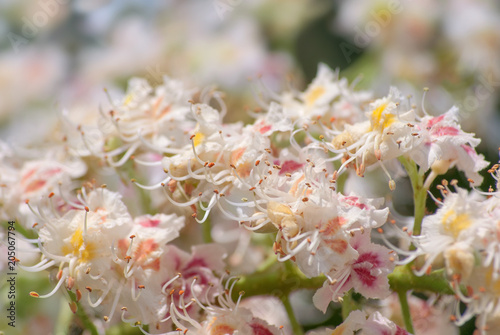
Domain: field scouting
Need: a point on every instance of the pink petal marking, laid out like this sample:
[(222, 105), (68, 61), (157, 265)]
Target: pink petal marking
[(445, 131), (289, 166)]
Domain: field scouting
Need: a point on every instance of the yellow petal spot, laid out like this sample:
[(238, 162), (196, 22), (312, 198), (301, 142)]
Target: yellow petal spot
[(454, 223), (340, 330), (314, 95), (128, 99), (198, 138), (83, 250), (492, 284), (222, 329), (379, 120)]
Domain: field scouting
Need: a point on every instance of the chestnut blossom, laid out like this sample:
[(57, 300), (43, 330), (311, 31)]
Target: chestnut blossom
[(431, 316), (452, 232), (386, 133), (328, 98), (225, 318), (35, 179), (190, 276), (359, 322), (446, 145), (366, 273), (138, 257), (79, 244), (106, 257)]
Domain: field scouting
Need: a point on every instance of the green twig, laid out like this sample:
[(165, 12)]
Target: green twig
[(351, 303), (277, 281), (296, 327), (270, 261), (206, 227), (405, 310), (282, 280), (207, 231), (64, 317), (419, 193), (403, 279), (84, 318)]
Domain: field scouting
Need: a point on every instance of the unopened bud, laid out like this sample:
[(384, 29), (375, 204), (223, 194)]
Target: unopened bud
[(440, 166)]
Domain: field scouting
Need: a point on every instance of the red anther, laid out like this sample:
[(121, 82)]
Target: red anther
[(78, 295), (71, 282), (51, 194), (73, 307)]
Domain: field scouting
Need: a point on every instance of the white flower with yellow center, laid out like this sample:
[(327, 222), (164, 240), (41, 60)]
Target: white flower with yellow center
[(452, 232), (79, 245), (327, 97), (388, 133)]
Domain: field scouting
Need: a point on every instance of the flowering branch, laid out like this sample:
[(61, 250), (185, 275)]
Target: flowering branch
[(277, 280)]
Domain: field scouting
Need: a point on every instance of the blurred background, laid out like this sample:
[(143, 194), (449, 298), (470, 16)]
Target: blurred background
[(62, 54), (58, 54)]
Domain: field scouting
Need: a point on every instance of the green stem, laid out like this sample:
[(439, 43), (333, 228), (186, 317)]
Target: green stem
[(206, 227), (64, 318), (403, 279), (207, 231), (84, 318), (268, 263), (350, 303), (296, 327), (277, 280), (281, 280), (405, 309), (419, 193)]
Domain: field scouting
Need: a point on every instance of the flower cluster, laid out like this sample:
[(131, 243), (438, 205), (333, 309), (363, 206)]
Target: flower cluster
[(463, 237), (282, 175)]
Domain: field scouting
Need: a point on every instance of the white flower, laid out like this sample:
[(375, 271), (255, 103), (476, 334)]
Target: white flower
[(358, 323), (388, 133), (445, 145), (454, 225), (366, 273)]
